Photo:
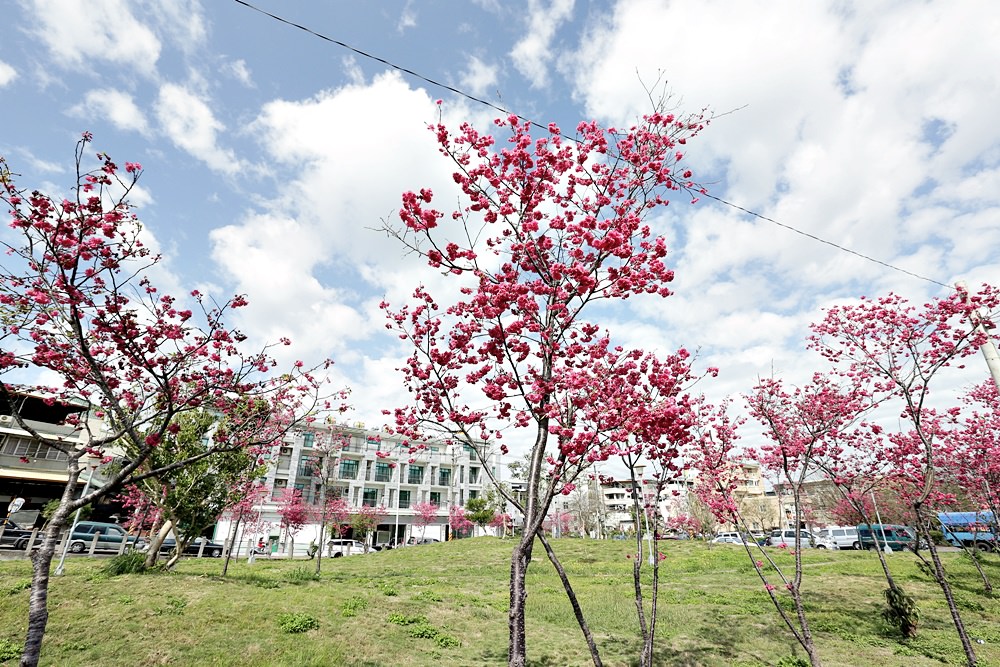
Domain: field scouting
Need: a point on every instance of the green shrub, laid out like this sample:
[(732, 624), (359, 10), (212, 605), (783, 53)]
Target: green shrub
[(387, 589), (423, 631), (353, 606), (130, 562), (297, 622), (447, 641), (9, 650), (175, 606)]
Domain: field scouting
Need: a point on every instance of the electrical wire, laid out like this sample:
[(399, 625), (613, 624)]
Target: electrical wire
[(508, 112)]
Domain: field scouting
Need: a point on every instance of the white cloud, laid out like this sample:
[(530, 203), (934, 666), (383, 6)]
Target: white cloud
[(7, 74), (238, 70), (115, 106), (189, 122), (532, 54), (478, 77), (408, 18), (76, 32), (183, 21)]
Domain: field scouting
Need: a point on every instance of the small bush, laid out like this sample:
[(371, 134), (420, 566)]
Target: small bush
[(9, 650), (297, 622), (447, 641), (353, 606), (387, 589), (793, 661), (423, 631), (125, 599), (130, 562)]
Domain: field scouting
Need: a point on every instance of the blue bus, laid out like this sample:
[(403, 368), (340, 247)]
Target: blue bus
[(969, 529)]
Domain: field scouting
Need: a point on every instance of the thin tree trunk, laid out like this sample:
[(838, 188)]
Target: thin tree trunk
[(571, 594), (41, 566), (519, 561), (942, 579), (233, 544)]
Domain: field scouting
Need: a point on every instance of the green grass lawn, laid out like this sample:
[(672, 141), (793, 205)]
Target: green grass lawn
[(447, 604)]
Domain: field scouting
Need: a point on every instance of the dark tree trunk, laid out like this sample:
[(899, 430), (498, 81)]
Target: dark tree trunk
[(517, 654), (571, 594)]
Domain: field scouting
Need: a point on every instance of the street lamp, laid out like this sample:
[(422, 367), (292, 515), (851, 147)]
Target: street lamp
[(76, 520)]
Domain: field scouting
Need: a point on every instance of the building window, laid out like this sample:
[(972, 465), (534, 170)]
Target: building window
[(348, 469), (17, 446), (383, 473), (436, 498), (404, 499), (308, 439), (416, 475), (444, 477), (473, 494), (370, 498), (473, 476)]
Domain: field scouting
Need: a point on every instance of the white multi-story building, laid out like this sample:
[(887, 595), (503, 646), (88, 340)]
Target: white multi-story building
[(370, 468)]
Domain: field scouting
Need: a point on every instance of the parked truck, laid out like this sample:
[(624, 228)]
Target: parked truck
[(974, 530)]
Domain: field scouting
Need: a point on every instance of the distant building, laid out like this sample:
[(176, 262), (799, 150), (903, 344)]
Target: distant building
[(443, 474), (30, 468)]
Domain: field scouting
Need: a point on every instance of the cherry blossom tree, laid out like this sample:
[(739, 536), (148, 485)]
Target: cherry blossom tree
[(250, 494), (896, 350), (548, 228), (294, 513), (365, 521), (77, 302), (424, 514), (458, 520)]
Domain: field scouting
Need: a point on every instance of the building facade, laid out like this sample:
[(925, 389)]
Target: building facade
[(368, 468)]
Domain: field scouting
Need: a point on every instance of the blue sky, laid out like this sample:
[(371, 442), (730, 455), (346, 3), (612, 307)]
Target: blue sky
[(271, 155)]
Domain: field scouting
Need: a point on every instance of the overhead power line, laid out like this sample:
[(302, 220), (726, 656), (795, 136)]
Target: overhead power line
[(508, 112)]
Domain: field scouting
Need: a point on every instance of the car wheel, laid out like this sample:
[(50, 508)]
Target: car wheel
[(338, 555), (21, 544), (821, 546), (77, 547), (216, 553), (856, 546), (872, 547)]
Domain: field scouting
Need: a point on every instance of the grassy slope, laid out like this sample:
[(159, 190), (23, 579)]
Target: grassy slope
[(713, 610)]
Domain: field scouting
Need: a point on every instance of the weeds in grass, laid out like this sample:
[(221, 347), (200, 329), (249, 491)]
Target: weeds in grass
[(125, 599), (175, 607), (297, 622), (427, 596), (353, 605), (9, 650), (301, 575), (403, 619), (793, 661), (447, 641), (387, 589), (18, 587)]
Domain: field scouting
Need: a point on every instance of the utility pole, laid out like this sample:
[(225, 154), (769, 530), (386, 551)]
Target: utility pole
[(988, 348)]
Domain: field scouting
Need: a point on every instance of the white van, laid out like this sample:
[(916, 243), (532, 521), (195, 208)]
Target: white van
[(845, 537)]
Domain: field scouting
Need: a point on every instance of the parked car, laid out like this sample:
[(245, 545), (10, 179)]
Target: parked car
[(110, 537), (337, 547), (807, 540), (420, 540), (729, 538), (880, 535), (846, 537), (211, 550), (17, 537)]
